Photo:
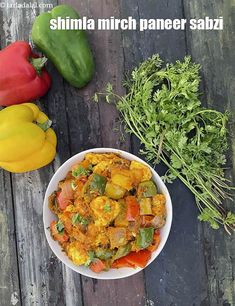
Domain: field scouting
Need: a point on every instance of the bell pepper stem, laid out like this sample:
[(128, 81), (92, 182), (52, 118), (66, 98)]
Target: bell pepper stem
[(38, 63), (45, 125)]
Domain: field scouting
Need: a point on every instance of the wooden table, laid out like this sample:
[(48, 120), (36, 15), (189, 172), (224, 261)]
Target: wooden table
[(197, 264)]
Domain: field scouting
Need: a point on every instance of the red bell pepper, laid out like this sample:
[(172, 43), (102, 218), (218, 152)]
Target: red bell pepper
[(133, 208), (133, 259), (59, 236), (139, 259), (156, 241), (97, 265), (22, 76), (121, 263)]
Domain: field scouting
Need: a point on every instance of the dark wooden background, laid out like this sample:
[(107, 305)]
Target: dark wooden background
[(196, 266)]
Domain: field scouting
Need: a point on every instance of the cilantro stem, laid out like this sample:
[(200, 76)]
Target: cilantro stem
[(162, 109)]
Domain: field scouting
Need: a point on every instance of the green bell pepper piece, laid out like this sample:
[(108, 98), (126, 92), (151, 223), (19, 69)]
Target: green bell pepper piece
[(145, 237), (103, 254), (98, 183), (147, 189), (122, 251), (81, 171), (145, 206), (68, 50)]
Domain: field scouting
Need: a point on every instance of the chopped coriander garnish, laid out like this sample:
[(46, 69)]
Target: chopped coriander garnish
[(81, 171), (98, 183), (162, 108), (59, 226), (91, 258), (79, 219), (107, 207)]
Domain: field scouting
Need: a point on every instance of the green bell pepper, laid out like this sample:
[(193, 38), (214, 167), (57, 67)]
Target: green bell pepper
[(147, 189), (145, 206), (114, 191), (93, 187), (145, 237), (68, 50), (122, 251), (103, 254), (98, 183)]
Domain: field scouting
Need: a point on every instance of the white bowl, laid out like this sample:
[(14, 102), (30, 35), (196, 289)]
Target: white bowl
[(48, 216)]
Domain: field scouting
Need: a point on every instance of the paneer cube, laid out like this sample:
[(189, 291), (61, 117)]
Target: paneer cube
[(143, 173), (158, 205), (77, 253), (104, 210), (123, 178)]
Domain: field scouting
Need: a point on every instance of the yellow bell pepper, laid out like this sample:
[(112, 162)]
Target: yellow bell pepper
[(26, 141)]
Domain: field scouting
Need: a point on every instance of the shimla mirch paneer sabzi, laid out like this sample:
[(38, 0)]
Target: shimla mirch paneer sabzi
[(109, 213)]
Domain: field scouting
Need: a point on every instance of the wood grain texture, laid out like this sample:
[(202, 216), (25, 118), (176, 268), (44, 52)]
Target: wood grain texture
[(9, 281), (44, 281), (178, 275), (92, 125), (214, 50), (99, 121), (197, 264), (38, 267)]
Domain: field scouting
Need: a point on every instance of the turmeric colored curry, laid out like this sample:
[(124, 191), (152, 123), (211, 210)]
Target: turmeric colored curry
[(109, 213)]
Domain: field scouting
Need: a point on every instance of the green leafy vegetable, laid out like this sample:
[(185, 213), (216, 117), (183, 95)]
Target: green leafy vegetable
[(107, 207), (59, 226), (79, 219), (91, 258), (162, 108), (145, 237), (103, 254), (81, 171)]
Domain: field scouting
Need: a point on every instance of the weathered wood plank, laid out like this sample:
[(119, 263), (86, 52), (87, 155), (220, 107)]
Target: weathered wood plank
[(107, 51), (214, 50), (93, 125), (44, 281), (178, 275), (38, 267), (113, 292), (55, 103), (9, 281)]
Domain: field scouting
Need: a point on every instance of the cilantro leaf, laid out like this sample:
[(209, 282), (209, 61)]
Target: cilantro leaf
[(162, 108), (81, 171), (59, 226), (77, 218), (230, 218), (107, 207), (91, 258)]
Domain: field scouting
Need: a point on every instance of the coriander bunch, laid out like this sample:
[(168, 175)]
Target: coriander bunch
[(162, 109)]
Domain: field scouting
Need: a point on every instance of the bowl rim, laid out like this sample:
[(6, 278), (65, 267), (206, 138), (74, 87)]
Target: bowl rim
[(70, 264)]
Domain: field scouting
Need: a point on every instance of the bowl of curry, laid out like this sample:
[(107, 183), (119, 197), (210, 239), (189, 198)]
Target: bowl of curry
[(107, 214)]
